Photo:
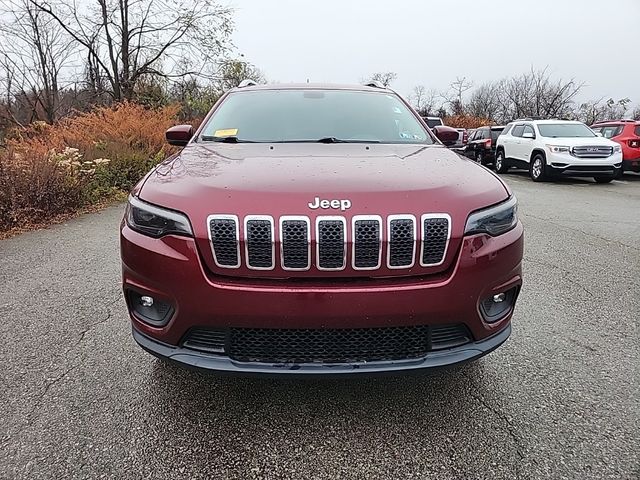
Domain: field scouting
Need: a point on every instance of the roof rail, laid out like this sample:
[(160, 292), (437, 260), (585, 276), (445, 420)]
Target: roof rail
[(375, 84), (247, 83)]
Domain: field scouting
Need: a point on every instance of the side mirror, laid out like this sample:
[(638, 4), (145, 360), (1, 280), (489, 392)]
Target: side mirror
[(528, 135), (179, 135), (447, 135)]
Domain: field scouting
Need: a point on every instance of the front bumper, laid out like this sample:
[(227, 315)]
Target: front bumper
[(201, 361), (170, 269), (564, 164), (632, 165)]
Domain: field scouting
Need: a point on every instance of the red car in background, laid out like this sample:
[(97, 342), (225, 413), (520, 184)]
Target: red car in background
[(627, 134)]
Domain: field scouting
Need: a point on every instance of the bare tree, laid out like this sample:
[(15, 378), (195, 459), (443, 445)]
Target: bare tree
[(385, 78), (126, 40), (423, 100), (636, 113), (33, 51), (598, 110), (454, 97)]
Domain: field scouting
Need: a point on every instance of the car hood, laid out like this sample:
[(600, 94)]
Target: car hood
[(283, 179), (579, 141)]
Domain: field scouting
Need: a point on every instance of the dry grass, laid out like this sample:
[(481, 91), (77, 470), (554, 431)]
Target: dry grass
[(49, 171), (466, 121)]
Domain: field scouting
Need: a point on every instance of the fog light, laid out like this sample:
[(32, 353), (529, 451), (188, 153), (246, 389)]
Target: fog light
[(146, 301), (496, 298), (496, 306), (149, 309)]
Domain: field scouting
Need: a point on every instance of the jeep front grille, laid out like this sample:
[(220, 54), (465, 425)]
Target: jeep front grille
[(367, 242), (402, 241), (331, 235), (259, 242), (295, 243), (327, 248), (435, 233), (223, 234), (326, 345), (592, 151)]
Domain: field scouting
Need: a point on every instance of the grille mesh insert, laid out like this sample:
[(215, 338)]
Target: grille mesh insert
[(436, 234), (259, 244), (401, 242), (331, 248), (326, 345), (366, 238), (225, 242), (295, 244)]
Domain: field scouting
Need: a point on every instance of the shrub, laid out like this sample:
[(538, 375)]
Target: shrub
[(49, 170), (466, 121)]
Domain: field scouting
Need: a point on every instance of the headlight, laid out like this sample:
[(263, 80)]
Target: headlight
[(155, 221), (617, 149), (558, 148), (494, 220)]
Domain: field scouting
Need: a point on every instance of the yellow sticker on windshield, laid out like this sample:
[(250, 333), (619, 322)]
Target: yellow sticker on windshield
[(229, 132)]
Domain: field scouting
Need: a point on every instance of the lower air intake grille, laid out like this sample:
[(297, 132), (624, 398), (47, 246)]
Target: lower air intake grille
[(331, 244), (434, 240), (326, 345), (366, 240), (259, 243), (224, 240), (295, 244), (401, 242)]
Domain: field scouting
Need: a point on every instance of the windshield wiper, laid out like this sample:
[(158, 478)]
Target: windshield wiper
[(229, 139), (340, 140)]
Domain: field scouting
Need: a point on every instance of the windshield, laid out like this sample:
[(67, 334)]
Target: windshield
[(565, 130), (303, 115), (495, 133), (433, 122)]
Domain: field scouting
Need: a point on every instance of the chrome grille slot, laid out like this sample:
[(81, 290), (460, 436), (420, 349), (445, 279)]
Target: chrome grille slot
[(402, 241), (593, 151), (295, 243), (223, 236), (331, 239), (436, 230), (367, 242), (259, 244)]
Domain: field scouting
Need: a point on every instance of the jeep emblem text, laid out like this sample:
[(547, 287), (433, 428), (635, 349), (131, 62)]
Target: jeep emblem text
[(341, 204)]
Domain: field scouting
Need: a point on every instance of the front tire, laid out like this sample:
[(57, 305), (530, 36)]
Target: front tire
[(603, 179), (500, 164), (537, 168)]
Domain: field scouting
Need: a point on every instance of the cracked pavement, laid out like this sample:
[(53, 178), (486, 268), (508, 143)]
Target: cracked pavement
[(559, 400)]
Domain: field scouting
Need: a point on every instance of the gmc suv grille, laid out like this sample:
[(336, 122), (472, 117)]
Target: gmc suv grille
[(592, 152), (371, 242), (331, 345)]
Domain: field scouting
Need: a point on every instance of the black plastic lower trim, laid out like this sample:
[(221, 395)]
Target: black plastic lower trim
[(222, 364)]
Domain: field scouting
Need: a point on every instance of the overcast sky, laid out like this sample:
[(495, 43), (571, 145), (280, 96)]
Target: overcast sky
[(430, 43)]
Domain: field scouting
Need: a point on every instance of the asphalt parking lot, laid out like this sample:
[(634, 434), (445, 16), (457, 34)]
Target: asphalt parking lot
[(561, 399)]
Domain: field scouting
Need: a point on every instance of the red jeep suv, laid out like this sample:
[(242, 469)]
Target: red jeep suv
[(313, 229), (627, 134)]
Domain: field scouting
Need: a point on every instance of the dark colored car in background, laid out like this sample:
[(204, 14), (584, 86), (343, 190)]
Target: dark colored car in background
[(481, 146), (317, 229), (627, 134)]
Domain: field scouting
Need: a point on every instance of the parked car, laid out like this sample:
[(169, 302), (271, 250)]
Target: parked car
[(627, 134), (313, 229), (481, 146), (549, 148), (433, 121)]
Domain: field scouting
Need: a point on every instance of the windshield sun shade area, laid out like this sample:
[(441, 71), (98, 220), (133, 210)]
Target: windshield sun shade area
[(305, 115)]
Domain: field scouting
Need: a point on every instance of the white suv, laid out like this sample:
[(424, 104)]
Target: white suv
[(556, 147)]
